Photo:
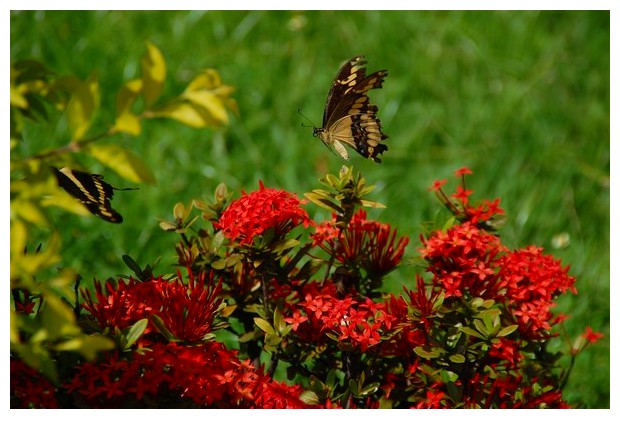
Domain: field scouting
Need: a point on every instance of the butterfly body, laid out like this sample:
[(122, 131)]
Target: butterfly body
[(90, 190), (349, 118)]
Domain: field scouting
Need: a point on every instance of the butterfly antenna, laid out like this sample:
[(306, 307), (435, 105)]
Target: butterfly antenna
[(308, 119)]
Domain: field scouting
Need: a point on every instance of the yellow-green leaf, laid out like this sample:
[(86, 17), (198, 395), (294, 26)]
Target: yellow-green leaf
[(28, 264), (126, 120), (472, 332), (457, 358), (374, 204), (153, 73), (58, 318), (29, 211), (309, 397), (208, 79), (428, 352), (87, 345), (208, 105), (83, 103), (507, 330), (183, 112), (17, 99), (123, 161), (264, 326)]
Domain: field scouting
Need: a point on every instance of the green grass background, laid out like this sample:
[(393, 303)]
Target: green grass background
[(522, 98)]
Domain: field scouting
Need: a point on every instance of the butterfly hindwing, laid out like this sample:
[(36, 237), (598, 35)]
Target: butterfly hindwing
[(349, 117), (90, 190)]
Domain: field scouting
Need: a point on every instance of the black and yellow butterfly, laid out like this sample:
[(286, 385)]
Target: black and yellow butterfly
[(349, 117), (91, 191)]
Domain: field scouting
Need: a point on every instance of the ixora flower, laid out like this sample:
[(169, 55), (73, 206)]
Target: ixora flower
[(187, 309), (254, 213), (369, 243)]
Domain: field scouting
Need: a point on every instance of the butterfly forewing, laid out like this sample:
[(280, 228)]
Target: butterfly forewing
[(349, 117), (348, 76)]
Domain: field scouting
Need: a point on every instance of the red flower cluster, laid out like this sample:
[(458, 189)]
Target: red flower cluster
[(464, 259), (364, 243), (188, 371), (532, 282), (318, 316), (187, 310), (254, 213), (29, 388), (472, 332), (208, 375)]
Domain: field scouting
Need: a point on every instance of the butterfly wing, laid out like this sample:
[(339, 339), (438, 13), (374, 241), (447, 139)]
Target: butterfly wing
[(90, 190), (346, 79), (349, 117)]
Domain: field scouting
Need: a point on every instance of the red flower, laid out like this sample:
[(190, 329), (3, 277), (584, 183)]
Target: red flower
[(438, 184), (485, 211), (254, 213), (322, 317), (187, 310), (164, 372), (433, 399), (464, 212), (462, 172), (506, 350), (462, 194), (464, 259), (29, 388), (591, 336), (532, 282), (366, 243)]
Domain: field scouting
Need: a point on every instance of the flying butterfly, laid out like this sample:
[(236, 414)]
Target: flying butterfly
[(349, 118), (90, 190)]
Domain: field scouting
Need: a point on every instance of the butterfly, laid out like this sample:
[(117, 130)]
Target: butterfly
[(91, 191), (349, 117)]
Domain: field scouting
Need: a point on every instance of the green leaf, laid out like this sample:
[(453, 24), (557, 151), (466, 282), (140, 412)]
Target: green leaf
[(123, 161), (264, 326), (457, 358), (353, 387), (58, 318), (507, 330), (282, 245), (476, 302), (212, 108), (87, 345), (182, 112), (278, 322), (373, 204), (481, 327), (472, 332), (272, 342), (161, 327), (179, 211), (135, 332), (35, 356), (322, 202), (28, 210), (126, 120), (369, 389), (83, 102), (428, 353), (309, 397), (153, 73)]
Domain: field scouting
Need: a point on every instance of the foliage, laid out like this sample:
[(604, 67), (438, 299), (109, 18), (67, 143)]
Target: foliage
[(35, 94), (474, 332)]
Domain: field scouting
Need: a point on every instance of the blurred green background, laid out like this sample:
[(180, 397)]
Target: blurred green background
[(522, 98)]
